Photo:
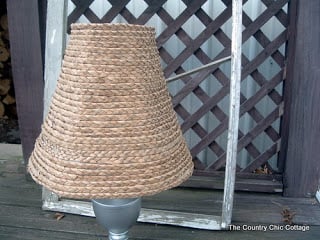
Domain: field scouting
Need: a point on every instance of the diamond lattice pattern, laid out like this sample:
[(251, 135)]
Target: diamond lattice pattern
[(191, 33)]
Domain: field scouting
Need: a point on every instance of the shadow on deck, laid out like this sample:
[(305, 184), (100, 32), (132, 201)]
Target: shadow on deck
[(21, 216)]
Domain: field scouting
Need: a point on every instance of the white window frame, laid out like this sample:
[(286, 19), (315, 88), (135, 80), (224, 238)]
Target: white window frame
[(55, 44)]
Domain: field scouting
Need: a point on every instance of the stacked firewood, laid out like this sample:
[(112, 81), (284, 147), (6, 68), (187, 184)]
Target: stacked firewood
[(7, 99)]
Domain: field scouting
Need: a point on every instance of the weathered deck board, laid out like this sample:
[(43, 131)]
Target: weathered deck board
[(21, 216)]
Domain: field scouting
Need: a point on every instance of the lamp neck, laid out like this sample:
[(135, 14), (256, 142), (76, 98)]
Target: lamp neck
[(118, 236)]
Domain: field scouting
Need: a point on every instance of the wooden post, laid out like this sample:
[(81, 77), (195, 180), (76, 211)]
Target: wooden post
[(27, 69), (231, 158), (302, 168)]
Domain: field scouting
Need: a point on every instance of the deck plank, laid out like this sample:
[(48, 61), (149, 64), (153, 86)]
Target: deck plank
[(21, 216)]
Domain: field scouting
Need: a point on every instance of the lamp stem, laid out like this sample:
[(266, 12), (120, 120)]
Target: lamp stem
[(118, 236), (117, 215)]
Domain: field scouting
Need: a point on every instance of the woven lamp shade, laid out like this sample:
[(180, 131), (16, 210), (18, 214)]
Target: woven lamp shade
[(111, 131)]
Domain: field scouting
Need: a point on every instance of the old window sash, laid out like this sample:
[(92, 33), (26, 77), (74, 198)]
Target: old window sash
[(55, 44)]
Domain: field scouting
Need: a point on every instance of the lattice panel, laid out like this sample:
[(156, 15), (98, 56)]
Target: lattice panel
[(264, 125)]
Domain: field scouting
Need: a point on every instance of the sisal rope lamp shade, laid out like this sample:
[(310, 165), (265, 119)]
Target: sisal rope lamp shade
[(111, 131)]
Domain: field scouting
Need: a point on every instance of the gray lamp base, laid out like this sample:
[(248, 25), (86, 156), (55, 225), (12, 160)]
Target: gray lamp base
[(120, 236), (117, 215)]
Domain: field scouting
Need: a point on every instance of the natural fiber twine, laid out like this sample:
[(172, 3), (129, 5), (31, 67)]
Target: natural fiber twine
[(111, 131)]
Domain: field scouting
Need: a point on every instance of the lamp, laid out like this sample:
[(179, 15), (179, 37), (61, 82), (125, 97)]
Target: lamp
[(111, 134)]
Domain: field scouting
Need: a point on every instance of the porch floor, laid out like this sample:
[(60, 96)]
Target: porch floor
[(21, 216)]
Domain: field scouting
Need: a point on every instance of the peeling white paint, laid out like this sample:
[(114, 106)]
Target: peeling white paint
[(53, 36), (318, 195), (56, 20), (183, 219)]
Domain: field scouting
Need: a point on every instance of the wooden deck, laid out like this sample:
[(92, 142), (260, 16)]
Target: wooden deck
[(21, 216)]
